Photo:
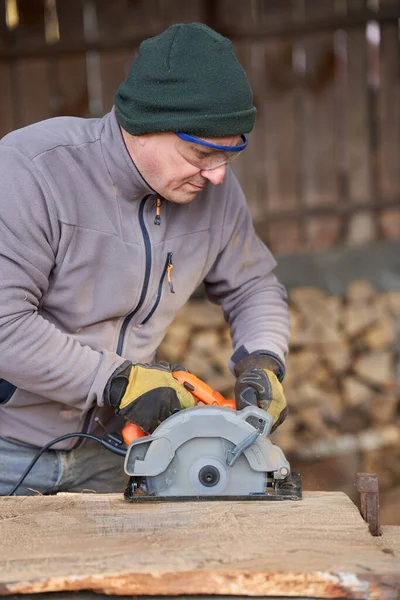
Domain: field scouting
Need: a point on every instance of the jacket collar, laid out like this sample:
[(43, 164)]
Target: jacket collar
[(126, 178)]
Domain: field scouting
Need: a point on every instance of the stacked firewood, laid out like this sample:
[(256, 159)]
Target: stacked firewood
[(341, 370)]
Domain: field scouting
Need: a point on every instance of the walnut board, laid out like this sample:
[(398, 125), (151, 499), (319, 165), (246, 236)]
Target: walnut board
[(317, 547)]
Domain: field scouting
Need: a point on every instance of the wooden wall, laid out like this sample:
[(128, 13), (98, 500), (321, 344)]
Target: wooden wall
[(323, 163)]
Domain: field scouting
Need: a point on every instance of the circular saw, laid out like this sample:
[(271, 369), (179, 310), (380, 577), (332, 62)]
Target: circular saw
[(210, 451)]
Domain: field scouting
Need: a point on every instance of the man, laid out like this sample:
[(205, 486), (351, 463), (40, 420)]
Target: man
[(107, 227)]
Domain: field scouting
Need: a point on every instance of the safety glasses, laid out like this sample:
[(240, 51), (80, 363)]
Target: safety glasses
[(206, 156)]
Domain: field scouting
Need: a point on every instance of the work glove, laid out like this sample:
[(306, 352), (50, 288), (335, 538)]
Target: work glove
[(147, 394), (257, 384)]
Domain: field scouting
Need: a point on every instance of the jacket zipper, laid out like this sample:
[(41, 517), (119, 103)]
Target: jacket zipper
[(129, 317), (157, 218), (147, 246), (167, 270)]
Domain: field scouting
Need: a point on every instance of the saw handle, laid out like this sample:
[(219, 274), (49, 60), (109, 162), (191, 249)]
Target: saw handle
[(200, 390)]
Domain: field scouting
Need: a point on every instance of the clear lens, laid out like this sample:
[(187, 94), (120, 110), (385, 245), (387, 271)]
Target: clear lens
[(203, 157)]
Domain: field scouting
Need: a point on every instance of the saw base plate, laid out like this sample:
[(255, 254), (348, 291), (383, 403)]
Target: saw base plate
[(287, 489)]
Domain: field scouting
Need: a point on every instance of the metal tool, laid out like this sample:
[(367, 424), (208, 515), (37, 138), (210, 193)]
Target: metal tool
[(209, 452), (368, 486)]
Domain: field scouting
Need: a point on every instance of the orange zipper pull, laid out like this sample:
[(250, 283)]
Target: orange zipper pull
[(157, 218), (169, 269)]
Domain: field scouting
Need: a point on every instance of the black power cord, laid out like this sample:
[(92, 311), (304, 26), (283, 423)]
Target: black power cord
[(110, 446)]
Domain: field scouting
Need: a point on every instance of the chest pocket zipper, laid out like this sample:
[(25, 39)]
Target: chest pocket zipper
[(166, 273)]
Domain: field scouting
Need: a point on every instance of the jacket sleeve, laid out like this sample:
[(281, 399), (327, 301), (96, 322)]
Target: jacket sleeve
[(34, 354), (243, 282)]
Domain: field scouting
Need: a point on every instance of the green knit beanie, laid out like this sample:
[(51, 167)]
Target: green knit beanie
[(186, 79)]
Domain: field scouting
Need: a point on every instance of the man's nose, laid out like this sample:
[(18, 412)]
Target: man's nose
[(215, 176)]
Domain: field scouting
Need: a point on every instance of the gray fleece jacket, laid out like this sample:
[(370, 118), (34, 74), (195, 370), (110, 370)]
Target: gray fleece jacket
[(83, 267)]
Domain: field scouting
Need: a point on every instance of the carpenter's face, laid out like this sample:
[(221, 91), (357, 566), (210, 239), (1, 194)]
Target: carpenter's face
[(176, 169)]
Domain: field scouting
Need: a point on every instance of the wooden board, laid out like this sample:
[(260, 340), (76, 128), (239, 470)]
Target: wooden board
[(31, 91), (6, 102), (318, 128), (389, 120), (362, 225), (390, 540), (281, 158), (318, 547)]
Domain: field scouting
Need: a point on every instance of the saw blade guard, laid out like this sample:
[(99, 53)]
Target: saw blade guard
[(208, 450)]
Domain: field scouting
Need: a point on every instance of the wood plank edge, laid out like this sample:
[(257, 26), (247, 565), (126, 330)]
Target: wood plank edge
[(314, 584)]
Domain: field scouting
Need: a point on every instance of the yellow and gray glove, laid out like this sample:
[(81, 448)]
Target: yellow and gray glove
[(257, 384), (147, 394)]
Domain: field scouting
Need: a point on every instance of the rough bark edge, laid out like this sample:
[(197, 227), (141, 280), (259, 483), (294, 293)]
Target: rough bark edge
[(321, 584)]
